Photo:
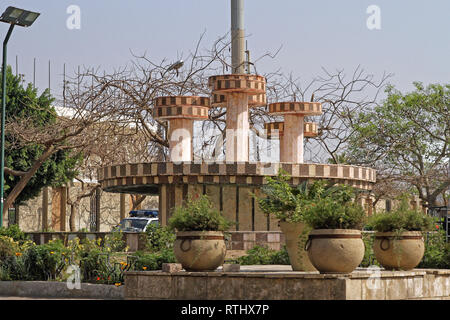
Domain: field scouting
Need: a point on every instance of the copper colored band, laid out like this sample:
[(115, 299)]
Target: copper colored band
[(399, 237), (200, 238), (335, 236)]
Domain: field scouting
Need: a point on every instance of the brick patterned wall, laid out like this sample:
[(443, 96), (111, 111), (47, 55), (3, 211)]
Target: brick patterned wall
[(238, 240)]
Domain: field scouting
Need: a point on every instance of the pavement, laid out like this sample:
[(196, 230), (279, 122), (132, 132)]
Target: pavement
[(33, 298)]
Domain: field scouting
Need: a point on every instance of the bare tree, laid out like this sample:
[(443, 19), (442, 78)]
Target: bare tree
[(87, 108), (114, 111)]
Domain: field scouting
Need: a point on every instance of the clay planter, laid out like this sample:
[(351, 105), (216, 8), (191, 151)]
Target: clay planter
[(200, 250), (297, 254), (399, 251), (335, 250)]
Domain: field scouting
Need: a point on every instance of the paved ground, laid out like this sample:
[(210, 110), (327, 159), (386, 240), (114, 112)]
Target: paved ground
[(31, 298), (270, 269), (264, 268), (252, 268)]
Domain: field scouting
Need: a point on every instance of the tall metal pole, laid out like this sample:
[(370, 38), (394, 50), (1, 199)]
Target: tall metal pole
[(237, 36), (2, 157), (49, 75), (34, 73)]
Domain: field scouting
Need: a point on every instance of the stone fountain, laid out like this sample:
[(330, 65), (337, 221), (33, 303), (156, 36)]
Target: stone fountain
[(230, 183)]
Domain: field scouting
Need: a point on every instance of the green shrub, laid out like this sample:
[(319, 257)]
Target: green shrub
[(333, 207), (262, 255), (327, 213), (280, 257), (159, 238), (198, 215), (93, 260), (8, 247), (437, 251), (13, 268), (401, 219), (114, 241), (98, 266), (11, 261), (153, 260), (369, 256), (90, 264), (4, 274), (100, 263), (31, 262), (14, 232), (322, 205), (281, 200), (45, 262)]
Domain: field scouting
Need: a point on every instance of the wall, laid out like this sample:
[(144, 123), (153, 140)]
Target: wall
[(30, 213), (288, 285), (236, 203), (415, 202), (236, 240)]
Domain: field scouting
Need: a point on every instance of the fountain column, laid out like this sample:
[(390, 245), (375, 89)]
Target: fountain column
[(236, 89), (294, 127), (180, 112), (276, 130)]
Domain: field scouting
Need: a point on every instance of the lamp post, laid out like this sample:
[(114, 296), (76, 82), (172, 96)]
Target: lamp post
[(23, 18)]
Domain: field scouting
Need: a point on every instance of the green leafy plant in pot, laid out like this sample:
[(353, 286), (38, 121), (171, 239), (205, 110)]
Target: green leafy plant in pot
[(199, 243), (335, 244), (285, 202), (399, 243)]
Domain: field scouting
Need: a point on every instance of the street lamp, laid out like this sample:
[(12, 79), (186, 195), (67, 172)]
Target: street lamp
[(175, 66), (23, 18)]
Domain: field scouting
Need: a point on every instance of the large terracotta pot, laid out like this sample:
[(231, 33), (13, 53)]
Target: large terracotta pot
[(399, 251), (200, 250), (295, 247), (335, 250)]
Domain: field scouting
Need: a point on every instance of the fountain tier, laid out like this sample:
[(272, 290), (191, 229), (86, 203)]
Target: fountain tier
[(230, 185)]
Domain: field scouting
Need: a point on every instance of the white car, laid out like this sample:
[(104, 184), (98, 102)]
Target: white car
[(139, 220)]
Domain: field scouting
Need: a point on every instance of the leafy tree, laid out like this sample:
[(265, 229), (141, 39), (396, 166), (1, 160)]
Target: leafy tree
[(24, 104), (407, 137)]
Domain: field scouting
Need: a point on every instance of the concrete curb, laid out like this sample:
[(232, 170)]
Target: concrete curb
[(59, 290)]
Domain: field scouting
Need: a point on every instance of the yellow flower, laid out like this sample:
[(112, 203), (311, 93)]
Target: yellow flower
[(117, 284), (51, 252), (145, 268)]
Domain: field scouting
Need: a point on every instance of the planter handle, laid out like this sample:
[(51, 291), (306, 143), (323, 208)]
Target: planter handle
[(182, 242), (308, 243), (381, 244)]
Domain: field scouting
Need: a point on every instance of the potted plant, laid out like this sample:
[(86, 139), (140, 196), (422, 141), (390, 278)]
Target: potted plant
[(335, 244), (284, 202), (399, 243), (199, 243)]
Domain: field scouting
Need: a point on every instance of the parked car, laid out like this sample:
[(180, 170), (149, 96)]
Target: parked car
[(138, 221)]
